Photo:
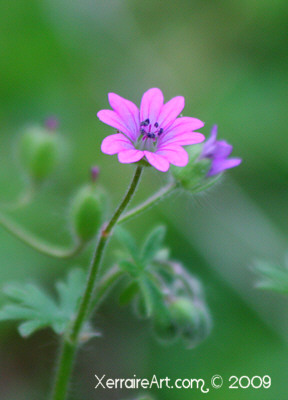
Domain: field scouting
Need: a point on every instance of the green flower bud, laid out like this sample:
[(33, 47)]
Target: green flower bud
[(39, 149), (165, 331), (198, 328), (182, 311), (88, 207), (193, 177)]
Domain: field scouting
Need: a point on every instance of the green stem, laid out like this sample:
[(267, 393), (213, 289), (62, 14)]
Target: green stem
[(104, 286), (23, 199), (66, 360), (37, 244), (163, 192), (71, 343)]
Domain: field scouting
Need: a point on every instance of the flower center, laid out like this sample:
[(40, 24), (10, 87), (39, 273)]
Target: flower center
[(149, 133)]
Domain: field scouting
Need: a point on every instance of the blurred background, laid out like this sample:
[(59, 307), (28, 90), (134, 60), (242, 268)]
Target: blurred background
[(229, 60)]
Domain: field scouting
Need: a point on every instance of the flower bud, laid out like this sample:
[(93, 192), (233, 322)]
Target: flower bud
[(39, 149), (182, 311), (199, 326), (88, 207), (193, 176), (165, 331)]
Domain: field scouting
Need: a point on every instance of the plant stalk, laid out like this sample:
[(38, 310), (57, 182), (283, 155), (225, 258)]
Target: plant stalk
[(71, 342)]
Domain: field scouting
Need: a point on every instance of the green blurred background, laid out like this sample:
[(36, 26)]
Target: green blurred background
[(229, 60)]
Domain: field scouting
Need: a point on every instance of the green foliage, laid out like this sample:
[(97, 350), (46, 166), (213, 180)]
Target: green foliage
[(139, 266), (153, 244), (128, 293), (272, 277), (128, 242), (38, 310), (163, 290)]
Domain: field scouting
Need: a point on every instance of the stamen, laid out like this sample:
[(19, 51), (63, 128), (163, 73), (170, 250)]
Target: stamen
[(160, 131), (151, 135), (142, 131), (156, 124), (145, 123)]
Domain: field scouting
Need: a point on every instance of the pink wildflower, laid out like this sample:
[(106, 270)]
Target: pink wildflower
[(154, 132)]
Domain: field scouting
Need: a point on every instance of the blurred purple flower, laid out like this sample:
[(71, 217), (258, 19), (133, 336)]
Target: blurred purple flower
[(51, 123), (154, 132), (218, 152), (95, 173)]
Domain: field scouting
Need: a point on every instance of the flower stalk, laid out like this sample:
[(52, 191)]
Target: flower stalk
[(70, 344), (151, 201), (37, 244)]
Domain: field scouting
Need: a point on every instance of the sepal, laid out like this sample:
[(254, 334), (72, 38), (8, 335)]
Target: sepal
[(193, 177)]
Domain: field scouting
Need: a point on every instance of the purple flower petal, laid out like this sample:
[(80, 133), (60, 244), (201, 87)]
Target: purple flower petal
[(111, 118), (218, 151), (223, 149), (220, 165), (130, 156), (128, 113), (114, 143), (185, 139), (151, 104), (176, 155), (170, 111), (157, 161)]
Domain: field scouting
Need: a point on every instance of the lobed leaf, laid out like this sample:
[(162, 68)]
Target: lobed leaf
[(38, 310), (153, 244), (128, 241)]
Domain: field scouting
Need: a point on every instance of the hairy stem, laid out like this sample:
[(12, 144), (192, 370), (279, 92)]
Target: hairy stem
[(37, 244), (71, 342), (163, 192)]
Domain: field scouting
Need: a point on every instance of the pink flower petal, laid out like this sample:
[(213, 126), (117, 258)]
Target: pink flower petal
[(170, 111), (111, 118), (157, 161), (127, 111), (183, 125), (114, 143), (176, 155), (130, 156), (184, 139), (151, 104)]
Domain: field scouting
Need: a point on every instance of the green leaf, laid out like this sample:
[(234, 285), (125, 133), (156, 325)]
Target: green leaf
[(153, 297), (129, 267), (15, 312), (153, 244), (272, 277), (38, 310), (128, 241), (27, 328), (69, 292), (128, 293)]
